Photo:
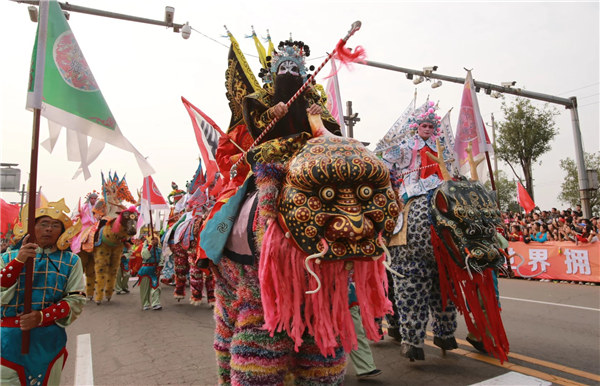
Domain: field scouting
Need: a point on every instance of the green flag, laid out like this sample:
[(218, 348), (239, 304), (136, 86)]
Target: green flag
[(63, 86)]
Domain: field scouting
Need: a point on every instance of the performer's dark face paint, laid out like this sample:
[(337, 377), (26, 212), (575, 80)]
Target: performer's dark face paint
[(285, 86)]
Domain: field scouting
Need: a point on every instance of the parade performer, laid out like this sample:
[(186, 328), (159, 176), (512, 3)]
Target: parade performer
[(175, 195), (419, 173), (445, 249), (123, 274), (183, 240), (85, 239), (417, 292), (135, 261), (118, 224), (167, 275), (83, 243), (178, 200), (149, 274), (57, 299), (275, 322)]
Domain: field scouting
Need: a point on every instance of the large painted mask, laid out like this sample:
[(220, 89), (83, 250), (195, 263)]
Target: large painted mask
[(335, 189), (465, 216)]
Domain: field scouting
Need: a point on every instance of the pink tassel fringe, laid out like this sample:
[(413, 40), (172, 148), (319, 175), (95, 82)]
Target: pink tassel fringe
[(326, 316)]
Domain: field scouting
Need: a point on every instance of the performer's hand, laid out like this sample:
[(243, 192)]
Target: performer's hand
[(30, 320), (279, 110), (314, 109), (27, 250)]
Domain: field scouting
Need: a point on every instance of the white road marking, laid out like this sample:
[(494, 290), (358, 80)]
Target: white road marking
[(552, 304), (84, 372), (514, 378)]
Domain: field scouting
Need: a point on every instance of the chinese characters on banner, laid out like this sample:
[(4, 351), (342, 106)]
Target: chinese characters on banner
[(556, 260)]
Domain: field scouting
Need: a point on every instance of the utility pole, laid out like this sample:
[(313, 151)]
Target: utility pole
[(569, 103), (350, 119), (494, 144)]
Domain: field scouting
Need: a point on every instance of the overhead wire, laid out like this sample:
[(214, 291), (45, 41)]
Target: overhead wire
[(580, 88), (246, 54)]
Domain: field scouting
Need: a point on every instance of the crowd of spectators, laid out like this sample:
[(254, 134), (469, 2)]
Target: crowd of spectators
[(553, 225)]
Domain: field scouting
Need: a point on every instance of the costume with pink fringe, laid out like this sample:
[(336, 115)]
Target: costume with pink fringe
[(85, 239), (284, 242), (181, 240)]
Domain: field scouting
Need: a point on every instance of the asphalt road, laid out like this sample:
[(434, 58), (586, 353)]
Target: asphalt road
[(553, 330)]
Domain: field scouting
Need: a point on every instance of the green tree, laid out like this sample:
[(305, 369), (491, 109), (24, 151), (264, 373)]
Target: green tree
[(507, 192), (525, 135), (570, 186)]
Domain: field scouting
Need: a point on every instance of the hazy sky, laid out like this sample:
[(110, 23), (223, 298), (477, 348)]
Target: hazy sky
[(143, 70)]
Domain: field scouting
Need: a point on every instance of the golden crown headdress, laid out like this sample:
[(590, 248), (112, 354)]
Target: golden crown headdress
[(57, 210)]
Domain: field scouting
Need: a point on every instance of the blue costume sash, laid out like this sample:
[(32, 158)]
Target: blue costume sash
[(216, 231)]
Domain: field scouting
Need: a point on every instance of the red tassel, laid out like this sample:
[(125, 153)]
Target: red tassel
[(346, 56), (463, 291)]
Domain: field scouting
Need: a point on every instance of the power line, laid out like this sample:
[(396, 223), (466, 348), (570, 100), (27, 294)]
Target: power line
[(245, 54), (589, 85), (589, 104), (208, 37)]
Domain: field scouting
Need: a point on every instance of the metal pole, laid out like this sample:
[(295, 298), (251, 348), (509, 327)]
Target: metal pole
[(350, 122), (113, 15), (23, 191), (350, 119), (579, 159), (478, 85)]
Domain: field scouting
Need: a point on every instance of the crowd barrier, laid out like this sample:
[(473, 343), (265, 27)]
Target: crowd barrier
[(556, 260)]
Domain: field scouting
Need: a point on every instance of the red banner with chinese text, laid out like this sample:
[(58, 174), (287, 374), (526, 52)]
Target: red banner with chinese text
[(556, 260)]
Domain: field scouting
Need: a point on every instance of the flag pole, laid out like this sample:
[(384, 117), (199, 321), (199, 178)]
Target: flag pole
[(38, 85), (336, 85), (492, 182), (148, 197), (151, 226), (29, 265)]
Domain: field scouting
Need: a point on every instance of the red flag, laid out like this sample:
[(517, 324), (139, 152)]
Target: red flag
[(155, 197), (470, 127), (524, 199), (207, 135), (8, 214), (198, 179)]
